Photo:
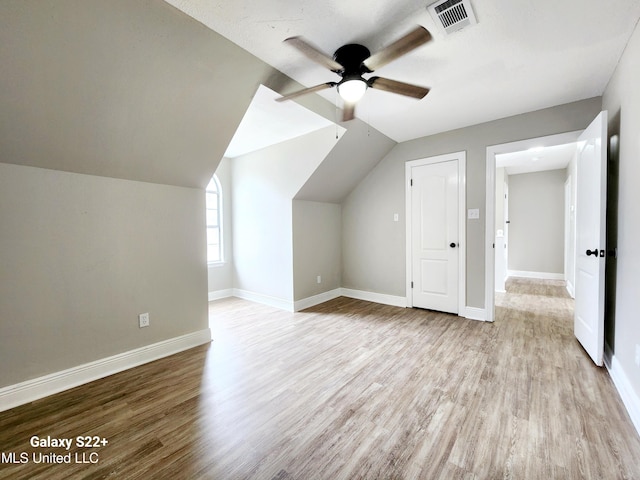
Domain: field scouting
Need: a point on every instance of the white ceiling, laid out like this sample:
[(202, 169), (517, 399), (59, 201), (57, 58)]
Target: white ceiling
[(523, 55), (266, 123), (536, 159)]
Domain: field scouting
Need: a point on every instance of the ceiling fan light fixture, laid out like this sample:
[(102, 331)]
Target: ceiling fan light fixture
[(352, 90)]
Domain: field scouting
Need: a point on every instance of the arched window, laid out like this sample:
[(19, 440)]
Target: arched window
[(214, 221)]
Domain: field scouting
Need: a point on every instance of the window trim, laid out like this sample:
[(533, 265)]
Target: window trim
[(215, 181)]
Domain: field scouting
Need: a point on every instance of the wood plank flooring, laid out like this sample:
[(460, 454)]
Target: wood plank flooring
[(350, 390)]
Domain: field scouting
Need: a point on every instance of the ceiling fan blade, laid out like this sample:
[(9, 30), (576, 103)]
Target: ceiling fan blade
[(305, 91), (348, 112), (400, 88), (418, 36), (314, 53)]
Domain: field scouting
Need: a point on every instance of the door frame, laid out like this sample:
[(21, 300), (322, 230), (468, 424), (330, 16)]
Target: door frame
[(461, 158), (490, 189), (569, 225)]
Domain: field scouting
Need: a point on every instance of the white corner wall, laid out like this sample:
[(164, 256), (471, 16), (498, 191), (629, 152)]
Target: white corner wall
[(264, 184)]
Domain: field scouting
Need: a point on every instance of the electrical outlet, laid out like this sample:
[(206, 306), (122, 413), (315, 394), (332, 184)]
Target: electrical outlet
[(319, 279), (143, 320)]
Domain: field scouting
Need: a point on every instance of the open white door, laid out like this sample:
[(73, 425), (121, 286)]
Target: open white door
[(590, 237)]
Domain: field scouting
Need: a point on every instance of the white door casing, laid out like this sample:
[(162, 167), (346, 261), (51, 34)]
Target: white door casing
[(506, 226), (435, 221), (590, 252), (492, 151)]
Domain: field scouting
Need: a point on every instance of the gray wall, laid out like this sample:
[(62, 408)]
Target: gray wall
[(82, 256), (317, 248), (119, 93), (622, 99), (130, 89), (536, 215), (374, 246)]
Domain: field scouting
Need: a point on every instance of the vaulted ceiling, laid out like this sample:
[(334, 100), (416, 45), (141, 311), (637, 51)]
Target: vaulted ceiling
[(521, 56), (140, 90)]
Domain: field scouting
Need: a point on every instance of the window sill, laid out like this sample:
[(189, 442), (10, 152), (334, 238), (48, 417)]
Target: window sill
[(216, 264)]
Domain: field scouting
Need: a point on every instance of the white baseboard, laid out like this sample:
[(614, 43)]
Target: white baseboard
[(629, 397), (570, 289), (276, 302), (473, 313), (317, 299), (540, 275), (322, 297), (218, 294), (383, 298), (30, 390)]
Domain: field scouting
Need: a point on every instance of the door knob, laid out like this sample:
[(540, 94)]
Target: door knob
[(453, 245), (593, 252)]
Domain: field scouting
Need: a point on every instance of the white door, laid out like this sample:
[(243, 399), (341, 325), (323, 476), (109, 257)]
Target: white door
[(435, 242), (506, 230), (591, 192)]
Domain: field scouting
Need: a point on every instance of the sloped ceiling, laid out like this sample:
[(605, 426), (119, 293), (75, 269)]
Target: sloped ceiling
[(124, 89), (139, 90), (136, 89), (263, 125), (521, 56), (358, 151)]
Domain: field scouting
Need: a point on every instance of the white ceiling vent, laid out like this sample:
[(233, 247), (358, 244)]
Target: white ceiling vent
[(453, 15)]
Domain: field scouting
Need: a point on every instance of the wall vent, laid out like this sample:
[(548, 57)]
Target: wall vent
[(452, 15)]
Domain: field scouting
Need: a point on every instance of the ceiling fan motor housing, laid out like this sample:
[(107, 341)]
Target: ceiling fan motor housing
[(351, 56)]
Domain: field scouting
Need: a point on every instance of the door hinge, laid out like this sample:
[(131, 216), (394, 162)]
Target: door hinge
[(411, 182), (411, 284)]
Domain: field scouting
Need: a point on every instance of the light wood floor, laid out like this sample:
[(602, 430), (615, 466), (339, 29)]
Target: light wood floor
[(352, 390)]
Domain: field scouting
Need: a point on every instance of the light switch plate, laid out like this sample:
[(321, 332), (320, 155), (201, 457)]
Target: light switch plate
[(473, 213)]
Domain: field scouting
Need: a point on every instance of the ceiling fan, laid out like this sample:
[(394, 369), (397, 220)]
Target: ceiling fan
[(352, 61)]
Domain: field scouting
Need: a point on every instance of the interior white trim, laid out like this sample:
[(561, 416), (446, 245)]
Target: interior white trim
[(461, 157), (570, 289), (627, 394), (218, 294), (264, 299), (317, 299), (490, 202), (474, 313), (471, 313), (382, 298), (30, 390), (540, 275)]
